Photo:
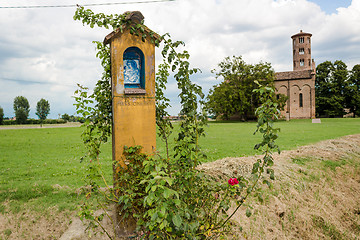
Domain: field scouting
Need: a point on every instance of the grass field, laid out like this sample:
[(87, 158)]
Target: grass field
[(41, 167), (237, 139)]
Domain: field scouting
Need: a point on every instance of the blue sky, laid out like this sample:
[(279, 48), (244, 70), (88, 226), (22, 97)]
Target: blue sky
[(330, 6), (44, 53)]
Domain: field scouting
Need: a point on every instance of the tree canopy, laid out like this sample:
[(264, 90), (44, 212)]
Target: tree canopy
[(353, 97), (235, 95), (42, 109), (337, 89), (21, 109)]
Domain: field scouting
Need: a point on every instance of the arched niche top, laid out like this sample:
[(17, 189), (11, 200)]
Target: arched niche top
[(134, 71)]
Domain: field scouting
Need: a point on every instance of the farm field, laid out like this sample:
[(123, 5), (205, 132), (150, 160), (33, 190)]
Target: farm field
[(40, 168)]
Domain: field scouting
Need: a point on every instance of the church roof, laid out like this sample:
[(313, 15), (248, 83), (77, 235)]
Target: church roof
[(292, 75)]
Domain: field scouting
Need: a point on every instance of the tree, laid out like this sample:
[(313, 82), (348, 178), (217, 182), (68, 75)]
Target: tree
[(1, 116), (66, 117), (332, 89), (21, 109), (353, 96), (235, 96), (42, 109)]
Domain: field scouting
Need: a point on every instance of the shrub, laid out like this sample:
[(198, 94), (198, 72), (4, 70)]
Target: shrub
[(36, 121)]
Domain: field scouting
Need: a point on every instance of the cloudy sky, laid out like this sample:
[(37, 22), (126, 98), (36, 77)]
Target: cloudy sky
[(44, 52)]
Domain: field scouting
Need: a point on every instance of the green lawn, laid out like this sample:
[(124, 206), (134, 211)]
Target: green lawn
[(237, 139), (34, 160)]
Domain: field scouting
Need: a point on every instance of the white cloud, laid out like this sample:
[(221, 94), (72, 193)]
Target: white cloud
[(46, 45)]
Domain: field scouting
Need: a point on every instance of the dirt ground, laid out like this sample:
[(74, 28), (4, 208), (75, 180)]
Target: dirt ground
[(316, 195)]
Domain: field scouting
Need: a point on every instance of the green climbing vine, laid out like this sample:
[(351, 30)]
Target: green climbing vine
[(166, 194)]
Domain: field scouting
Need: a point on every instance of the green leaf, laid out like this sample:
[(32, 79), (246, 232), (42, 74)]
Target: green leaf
[(176, 219), (267, 183), (248, 212), (167, 193), (272, 175)]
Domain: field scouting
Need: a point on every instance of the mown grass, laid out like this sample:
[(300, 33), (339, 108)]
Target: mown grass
[(41, 167), (236, 139), (33, 161)]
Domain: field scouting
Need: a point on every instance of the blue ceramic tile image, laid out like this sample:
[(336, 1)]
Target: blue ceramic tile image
[(132, 71)]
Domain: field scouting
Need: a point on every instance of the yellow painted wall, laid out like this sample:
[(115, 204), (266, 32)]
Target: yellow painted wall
[(133, 115)]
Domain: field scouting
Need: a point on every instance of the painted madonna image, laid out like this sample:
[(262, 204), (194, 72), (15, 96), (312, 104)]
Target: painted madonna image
[(132, 71)]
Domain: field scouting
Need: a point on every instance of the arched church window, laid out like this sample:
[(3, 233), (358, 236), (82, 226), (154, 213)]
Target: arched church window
[(300, 100), (301, 62)]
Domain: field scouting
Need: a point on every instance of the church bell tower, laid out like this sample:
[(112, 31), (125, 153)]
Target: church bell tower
[(302, 52)]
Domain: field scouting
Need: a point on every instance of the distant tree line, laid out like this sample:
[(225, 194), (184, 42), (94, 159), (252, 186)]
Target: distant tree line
[(21, 108), (35, 121), (71, 118), (337, 90)]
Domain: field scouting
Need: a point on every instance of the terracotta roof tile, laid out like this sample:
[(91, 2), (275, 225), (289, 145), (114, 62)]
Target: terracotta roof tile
[(293, 75)]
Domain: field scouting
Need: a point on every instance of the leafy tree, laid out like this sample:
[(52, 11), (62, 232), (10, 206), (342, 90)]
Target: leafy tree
[(332, 88), (21, 109), (1, 116), (42, 109), (235, 95), (353, 96), (66, 117)]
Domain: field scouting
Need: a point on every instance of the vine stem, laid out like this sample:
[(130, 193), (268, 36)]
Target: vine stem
[(112, 222)]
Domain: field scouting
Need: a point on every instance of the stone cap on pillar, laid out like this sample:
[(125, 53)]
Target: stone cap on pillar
[(135, 17)]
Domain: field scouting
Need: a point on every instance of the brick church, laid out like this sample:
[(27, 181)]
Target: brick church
[(299, 84)]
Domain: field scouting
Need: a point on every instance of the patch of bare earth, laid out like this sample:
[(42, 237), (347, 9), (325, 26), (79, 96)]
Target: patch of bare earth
[(29, 225), (316, 195)]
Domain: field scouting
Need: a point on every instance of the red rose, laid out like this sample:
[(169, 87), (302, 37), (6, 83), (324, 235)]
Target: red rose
[(233, 181)]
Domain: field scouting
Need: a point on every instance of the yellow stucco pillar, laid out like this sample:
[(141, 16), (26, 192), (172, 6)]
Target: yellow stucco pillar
[(133, 97), (133, 90)]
